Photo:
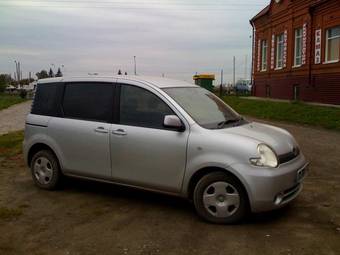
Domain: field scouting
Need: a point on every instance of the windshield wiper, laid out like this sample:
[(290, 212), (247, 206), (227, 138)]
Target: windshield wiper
[(226, 122)]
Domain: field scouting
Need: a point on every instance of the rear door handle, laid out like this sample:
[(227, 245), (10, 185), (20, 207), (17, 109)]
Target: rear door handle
[(119, 132), (101, 130)]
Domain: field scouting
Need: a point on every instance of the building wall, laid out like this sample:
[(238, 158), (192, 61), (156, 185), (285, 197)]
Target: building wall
[(316, 82)]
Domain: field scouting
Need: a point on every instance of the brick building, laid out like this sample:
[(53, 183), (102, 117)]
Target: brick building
[(296, 50)]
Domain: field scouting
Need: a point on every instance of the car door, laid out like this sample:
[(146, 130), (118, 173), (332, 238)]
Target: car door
[(82, 134), (143, 152)]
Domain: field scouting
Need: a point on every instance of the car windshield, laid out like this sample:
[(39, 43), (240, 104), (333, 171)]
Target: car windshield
[(204, 107)]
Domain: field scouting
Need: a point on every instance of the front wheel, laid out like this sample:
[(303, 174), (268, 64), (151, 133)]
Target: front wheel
[(220, 198)]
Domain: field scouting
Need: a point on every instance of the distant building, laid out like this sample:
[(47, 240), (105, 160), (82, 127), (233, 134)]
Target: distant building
[(296, 51), (205, 80)]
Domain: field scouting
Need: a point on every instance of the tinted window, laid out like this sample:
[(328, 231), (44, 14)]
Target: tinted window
[(44, 102), (88, 101), (139, 107)]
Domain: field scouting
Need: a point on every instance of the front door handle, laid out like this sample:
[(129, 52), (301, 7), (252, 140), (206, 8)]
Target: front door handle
[(119, 132), (101, 130)]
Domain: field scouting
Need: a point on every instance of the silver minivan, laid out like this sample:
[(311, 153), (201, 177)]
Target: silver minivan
[(161, 135)]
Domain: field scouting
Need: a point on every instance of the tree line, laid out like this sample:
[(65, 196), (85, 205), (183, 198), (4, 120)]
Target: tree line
[(43, 74), (6, 80)]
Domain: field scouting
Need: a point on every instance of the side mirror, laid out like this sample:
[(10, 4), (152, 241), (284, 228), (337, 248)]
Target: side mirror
[(173, 122)]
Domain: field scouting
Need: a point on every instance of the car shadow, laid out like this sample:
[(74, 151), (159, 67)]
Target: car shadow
[(158, 200), (269, 217), (110, 191)]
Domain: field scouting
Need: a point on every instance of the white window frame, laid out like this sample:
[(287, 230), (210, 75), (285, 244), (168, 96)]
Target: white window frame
[(264, 55), (327, 60), (297, 38), (279, 58)]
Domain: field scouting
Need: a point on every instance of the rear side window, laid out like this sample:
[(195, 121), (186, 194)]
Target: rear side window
[(139, 107), (88, 101), (45, 99)]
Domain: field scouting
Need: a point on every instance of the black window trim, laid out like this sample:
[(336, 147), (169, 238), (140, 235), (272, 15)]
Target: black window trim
[(110, 118), (117, 109)]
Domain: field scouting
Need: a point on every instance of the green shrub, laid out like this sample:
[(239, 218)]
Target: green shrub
[(23, 93)]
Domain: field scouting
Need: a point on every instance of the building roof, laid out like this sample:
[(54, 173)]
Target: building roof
[(261, 13), (266, 10), (159, 82)]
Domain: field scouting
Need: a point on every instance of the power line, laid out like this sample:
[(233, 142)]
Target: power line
[(143, 3), (224, 6), (131, 8)]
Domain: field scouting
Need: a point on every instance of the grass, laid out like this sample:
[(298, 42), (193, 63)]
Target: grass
[(295, 112), (11, 144), (7, 100), (9, 213)]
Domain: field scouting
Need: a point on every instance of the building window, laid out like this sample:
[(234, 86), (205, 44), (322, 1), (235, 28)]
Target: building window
[(298, 47), (333, 44), (279, 51), (264, 48)]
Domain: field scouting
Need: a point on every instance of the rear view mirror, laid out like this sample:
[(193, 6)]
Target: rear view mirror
[(172, 121)]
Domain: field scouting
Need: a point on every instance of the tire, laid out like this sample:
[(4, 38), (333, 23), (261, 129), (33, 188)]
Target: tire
[(45, 170), (220, 198)]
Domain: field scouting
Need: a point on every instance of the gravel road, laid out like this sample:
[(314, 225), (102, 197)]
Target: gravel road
[(13, 118)]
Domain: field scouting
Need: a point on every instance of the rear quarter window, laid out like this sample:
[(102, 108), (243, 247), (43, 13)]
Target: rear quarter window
[(45, 100)]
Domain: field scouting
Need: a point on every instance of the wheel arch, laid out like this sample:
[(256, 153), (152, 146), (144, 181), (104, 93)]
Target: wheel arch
[(207, 170), (39, 147)]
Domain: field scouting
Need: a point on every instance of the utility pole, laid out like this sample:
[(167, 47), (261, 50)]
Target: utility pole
[(135, 65), (221, 86), (18, 71), (246, 67), (234, 60)]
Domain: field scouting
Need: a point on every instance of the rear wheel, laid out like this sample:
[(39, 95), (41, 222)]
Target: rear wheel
[(220, 198), (45, 170)]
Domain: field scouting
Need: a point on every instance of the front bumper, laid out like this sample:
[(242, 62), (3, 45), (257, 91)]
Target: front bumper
[(270, 189)]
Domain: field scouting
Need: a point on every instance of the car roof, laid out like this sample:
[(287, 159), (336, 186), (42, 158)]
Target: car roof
[(158, 82)]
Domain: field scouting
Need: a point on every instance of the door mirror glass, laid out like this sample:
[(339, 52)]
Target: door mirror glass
[(172, 121)]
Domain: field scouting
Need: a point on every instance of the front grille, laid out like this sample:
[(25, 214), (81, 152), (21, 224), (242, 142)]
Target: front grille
[(289, 156)]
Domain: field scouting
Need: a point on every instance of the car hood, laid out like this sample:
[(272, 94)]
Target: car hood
[(277, 138)]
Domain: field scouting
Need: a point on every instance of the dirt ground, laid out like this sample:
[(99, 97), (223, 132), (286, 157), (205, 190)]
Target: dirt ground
[(91, 218)]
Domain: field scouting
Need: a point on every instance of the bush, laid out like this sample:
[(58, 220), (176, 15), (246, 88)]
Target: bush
[(2, 87), (23, 93)]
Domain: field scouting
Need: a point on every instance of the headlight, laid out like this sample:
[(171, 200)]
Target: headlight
[(267, 157)]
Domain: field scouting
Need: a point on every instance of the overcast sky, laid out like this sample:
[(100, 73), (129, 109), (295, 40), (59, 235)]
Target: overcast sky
[(177, 38)]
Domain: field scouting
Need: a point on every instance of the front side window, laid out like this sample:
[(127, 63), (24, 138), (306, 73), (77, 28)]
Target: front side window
[(333, 44), (204, 107), (88, 101), (264, 47), (298, 47), (279, 51), (139, 107)]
